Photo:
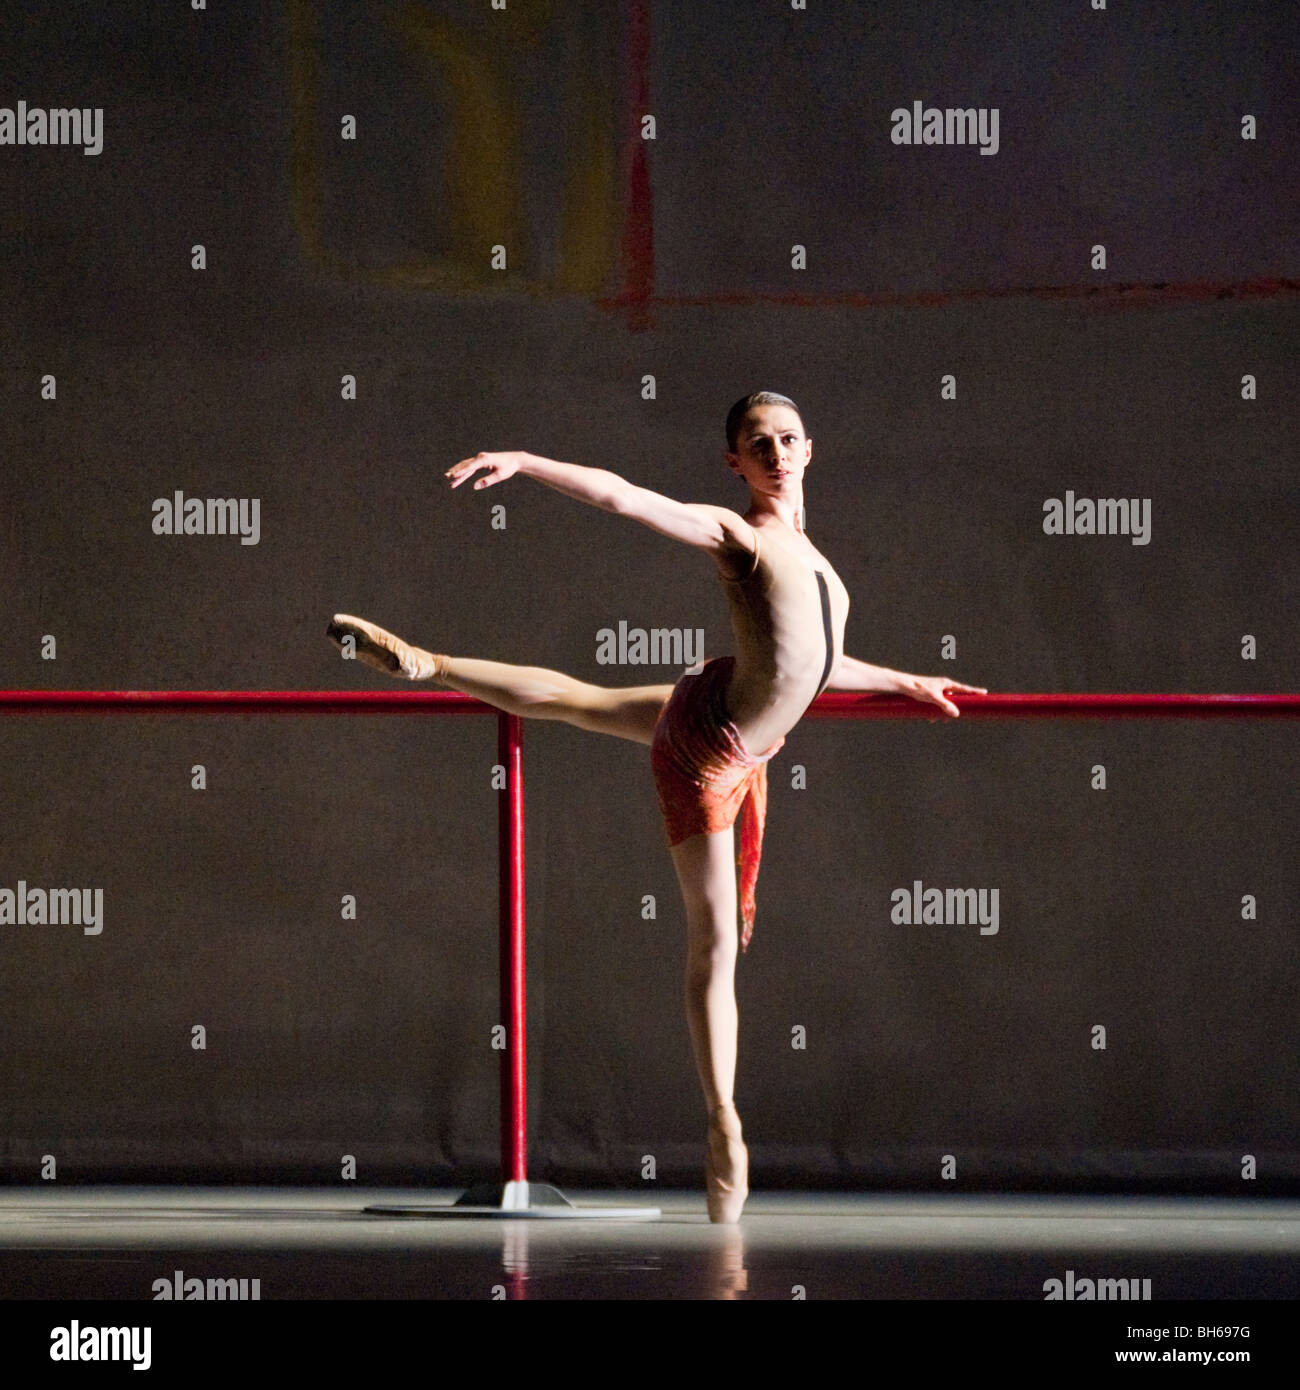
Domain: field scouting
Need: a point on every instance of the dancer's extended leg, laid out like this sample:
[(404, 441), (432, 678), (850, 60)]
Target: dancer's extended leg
[(706, 871), (705, 864), (533, 692)]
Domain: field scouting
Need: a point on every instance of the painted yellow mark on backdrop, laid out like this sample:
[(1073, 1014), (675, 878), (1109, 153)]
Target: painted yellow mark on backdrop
[(474, 77)]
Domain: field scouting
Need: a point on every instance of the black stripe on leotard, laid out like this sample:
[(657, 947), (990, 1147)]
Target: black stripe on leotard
[(826, 628)]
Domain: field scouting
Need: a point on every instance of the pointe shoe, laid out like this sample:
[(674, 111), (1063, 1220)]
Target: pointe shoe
[(725, 1154), (383, 651)]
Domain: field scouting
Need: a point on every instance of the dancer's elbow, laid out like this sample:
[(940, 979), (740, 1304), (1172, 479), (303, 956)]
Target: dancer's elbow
[(619, 497)]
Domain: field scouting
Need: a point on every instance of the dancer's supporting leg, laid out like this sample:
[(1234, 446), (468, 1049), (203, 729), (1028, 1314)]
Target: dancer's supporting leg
[(705, 864), (706, 871), (532, 692)]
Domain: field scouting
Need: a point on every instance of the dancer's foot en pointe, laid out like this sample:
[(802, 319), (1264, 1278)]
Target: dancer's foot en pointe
[(726, 1169), (383, 651)]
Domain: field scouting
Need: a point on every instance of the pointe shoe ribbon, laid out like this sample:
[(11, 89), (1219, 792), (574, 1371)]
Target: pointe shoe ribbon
[(382, 651)]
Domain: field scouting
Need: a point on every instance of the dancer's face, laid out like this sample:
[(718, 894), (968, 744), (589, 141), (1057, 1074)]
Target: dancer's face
[(772, 450)]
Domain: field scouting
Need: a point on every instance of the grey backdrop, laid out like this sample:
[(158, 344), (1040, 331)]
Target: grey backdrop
[(326, 256)]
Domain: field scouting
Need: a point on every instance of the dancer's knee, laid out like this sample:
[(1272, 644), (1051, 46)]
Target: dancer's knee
[(712, 942)]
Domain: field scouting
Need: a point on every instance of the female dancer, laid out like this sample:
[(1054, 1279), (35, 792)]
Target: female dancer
[(712, 734)]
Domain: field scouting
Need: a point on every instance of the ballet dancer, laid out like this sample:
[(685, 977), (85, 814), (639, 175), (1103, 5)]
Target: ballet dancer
[(711, 734)]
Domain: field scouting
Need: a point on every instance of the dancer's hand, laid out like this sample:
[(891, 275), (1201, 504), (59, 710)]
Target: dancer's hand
[(496, 468), (932, 688)]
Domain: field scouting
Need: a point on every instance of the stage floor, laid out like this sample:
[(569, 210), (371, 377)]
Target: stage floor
[(317, 1243)]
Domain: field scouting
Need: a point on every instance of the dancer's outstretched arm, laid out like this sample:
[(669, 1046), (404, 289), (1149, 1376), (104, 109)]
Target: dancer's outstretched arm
[(864, 678), (698, 524)]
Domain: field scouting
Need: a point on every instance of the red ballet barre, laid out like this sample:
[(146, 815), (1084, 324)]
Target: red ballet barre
[(515, 1195), (835, 704), (840, 704), (260, 701)]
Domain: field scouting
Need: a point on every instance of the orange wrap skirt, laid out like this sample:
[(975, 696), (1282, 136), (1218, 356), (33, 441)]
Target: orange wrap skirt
[(706, 779)]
